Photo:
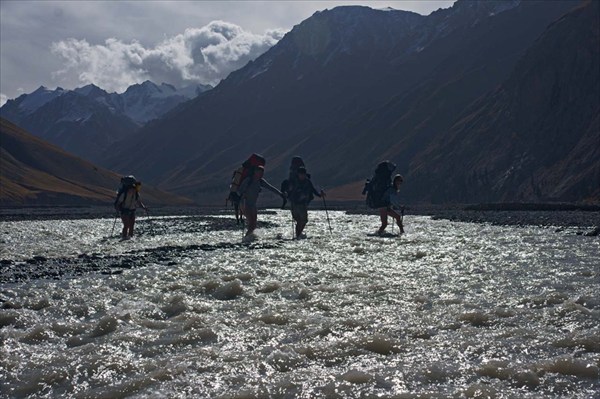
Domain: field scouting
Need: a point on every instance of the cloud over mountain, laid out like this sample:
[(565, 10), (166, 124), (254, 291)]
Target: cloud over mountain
[(205, 55)]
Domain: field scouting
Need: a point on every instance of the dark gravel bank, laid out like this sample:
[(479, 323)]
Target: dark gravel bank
[(40, 267)]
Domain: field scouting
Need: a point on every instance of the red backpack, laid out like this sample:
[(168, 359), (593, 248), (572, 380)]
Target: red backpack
[(247, 169)]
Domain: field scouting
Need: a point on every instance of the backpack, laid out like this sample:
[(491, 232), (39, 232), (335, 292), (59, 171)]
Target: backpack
[(247, 169), (127, 182), (379, 184), (287, 186)]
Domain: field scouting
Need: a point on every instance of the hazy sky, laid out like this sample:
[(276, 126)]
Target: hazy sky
[(114, 44)]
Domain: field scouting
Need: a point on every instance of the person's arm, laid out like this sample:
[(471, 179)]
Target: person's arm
[(119, 200), (395, 199), (244, 186), (268, 186), (140, 203), (315, 192)]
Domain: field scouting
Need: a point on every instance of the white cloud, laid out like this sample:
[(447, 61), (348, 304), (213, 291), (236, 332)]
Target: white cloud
[(204, 55), (3, 99)]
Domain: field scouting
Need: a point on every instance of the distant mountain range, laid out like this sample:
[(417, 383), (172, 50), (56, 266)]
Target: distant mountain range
[(34, 172), (87, 120), (484, 101)]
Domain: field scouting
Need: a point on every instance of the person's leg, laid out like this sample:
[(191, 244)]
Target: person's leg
[(302, 220), (251, 217), (383, 214), (398, 218), (297, 218), (238, 214), (125, 224), (131, 223)]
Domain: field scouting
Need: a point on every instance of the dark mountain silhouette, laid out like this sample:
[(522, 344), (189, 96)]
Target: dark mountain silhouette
[(34, 172), (344, 89), (537, 136)]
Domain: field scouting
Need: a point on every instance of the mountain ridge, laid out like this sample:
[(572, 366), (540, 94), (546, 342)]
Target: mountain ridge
[(88, 120)]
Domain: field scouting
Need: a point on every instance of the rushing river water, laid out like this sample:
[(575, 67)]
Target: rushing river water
[(448, 310)]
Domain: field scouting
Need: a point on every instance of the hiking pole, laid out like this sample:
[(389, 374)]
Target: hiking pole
[(327, 213), (150, 225), (114, 224), (243, 222), (402, 220)]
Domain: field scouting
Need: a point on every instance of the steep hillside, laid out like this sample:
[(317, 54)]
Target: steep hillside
[(345, 88), (537, 137), (33, 172)]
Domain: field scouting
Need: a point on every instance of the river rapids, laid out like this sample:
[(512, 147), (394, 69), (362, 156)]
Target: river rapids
[(185, 309)]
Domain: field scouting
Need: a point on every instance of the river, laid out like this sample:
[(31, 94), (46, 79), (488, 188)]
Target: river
[(448, 310)]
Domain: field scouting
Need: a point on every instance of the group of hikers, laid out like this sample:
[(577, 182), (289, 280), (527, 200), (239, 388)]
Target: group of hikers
[(248, 181)]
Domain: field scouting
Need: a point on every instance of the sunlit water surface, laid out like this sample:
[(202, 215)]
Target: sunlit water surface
[(447, 310)]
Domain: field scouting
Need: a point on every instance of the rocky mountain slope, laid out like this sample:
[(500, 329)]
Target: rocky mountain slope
[(536, 136), (344, 89), (34, 172)]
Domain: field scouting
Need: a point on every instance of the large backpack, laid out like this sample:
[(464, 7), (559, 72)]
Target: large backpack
[(379, 184), (296, 164), (126, 183), (247, 169), (287, 186)]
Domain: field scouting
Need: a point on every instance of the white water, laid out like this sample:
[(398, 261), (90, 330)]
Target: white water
[(448, 310)]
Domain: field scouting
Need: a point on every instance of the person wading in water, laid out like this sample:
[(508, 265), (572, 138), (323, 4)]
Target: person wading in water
[(127, 201), (301, 192), (393, 199), (381, 191), (248, 193)]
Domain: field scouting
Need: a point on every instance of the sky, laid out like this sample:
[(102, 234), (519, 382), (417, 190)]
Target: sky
[(114, 44)]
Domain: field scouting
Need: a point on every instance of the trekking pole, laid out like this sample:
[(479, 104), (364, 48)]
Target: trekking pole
[(150, 226), (402, 220), (243, 222), (114, 224), (327, 213)]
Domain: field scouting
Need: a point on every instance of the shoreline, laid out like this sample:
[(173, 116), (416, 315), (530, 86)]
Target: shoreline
[(586, 217)]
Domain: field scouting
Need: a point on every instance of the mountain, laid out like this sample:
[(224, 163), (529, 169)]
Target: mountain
[(34, 172), (345, 89), (76, 123), (87, 121), (147, 101), (537, 136)]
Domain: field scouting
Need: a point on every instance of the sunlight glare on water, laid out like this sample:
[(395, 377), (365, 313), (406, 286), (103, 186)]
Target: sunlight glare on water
[(449, 309)]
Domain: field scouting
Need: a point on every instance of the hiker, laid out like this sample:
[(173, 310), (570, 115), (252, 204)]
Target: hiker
[(301, 192), (380, 191), (393, 199), (128, 199), (249, 191), (246, 170)]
